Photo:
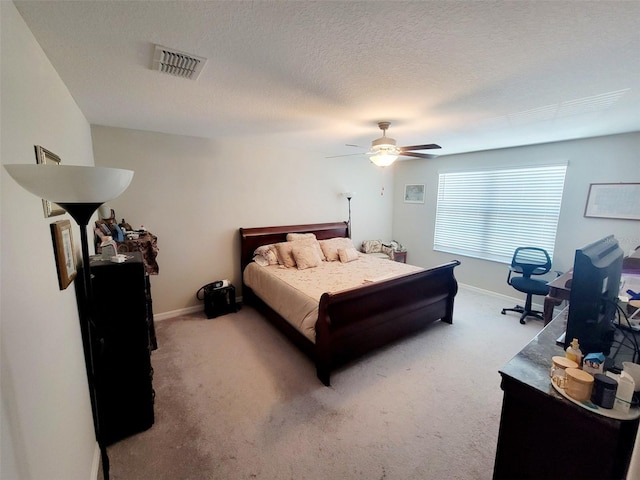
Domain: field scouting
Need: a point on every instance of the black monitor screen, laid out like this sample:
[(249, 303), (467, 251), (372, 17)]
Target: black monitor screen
[(595, 285)]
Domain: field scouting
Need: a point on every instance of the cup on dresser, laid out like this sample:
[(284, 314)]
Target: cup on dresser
[(579, 384), (633, 369), (558, 370)]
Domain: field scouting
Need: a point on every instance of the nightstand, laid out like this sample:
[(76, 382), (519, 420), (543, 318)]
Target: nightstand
[(400, 256)]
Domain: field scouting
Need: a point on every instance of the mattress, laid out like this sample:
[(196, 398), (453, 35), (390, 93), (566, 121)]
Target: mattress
[(295, 294)]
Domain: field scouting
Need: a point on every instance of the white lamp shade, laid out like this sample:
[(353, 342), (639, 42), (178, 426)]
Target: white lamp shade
[(71, 183), (383, 160)]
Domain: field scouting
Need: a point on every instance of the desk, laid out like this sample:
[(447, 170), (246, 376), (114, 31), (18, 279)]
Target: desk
[(544, 436), (559, 290)]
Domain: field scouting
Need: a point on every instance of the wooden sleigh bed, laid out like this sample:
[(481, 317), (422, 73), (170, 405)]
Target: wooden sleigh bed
[(355, 321)]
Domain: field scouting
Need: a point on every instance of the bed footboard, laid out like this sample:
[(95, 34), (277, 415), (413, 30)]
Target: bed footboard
[(353, 322)]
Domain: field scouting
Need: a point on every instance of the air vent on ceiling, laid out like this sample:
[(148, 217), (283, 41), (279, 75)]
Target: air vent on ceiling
[(177, 63)]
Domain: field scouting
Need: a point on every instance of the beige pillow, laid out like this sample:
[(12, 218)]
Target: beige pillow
[(305, 256), (285, 255), (330, 247), (307, 239), (347, 254), (315, 244), (292, 237)]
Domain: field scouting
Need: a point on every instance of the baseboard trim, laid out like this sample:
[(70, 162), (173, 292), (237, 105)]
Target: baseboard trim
[(508, 299), (176, 313), (182, 311), (95, 465)]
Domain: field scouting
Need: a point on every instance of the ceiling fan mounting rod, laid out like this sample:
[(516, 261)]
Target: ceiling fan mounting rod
[(384, 126)]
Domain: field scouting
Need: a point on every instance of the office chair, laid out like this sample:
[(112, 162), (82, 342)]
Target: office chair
[(528, 261)]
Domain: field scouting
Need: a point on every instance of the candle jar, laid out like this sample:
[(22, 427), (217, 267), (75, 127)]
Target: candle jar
[(558, 369)]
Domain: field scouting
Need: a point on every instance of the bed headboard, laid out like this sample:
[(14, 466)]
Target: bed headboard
[(252, 238)]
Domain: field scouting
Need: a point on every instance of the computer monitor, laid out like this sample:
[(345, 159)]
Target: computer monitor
[(595, 285)]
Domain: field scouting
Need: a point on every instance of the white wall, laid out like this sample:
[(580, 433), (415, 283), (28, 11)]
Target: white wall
[(47, 428), (595, 160), (195, 193)]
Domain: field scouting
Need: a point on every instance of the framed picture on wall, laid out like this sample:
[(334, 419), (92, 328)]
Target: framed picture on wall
[(46, 157), (413, 193), (613, 200), (64, 252)]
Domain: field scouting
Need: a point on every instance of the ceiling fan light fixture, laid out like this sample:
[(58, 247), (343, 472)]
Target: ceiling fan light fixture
[(383, 159), (384, 150), (383, 142)]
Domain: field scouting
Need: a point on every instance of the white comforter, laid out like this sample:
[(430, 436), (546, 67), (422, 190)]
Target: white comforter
[(295, 294)]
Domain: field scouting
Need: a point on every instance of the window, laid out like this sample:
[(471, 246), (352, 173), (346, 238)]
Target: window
[(489, 213)]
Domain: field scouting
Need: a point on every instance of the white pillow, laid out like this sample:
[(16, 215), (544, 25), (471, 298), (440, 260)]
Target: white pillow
[(265, 255)]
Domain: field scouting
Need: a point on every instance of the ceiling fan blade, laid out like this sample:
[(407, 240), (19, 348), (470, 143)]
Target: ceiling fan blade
[(347, 155), (428, 146), (418, 155)]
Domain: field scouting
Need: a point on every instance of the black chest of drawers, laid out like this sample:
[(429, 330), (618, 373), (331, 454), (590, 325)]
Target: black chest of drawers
[(122, 337)]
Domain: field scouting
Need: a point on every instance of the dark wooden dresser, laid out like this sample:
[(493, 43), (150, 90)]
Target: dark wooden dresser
[(122, 339), (545, 436)]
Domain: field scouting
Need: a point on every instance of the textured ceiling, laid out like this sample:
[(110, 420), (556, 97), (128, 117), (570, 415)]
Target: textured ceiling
[(468, 75)]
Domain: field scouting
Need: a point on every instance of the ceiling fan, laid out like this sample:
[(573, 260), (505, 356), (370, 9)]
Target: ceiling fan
[(384, 150)]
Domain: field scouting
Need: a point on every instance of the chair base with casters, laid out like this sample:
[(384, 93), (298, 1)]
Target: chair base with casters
[(528, 261), (530, 287)]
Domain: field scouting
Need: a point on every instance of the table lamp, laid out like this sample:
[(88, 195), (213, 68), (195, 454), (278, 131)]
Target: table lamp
[(80, 190)]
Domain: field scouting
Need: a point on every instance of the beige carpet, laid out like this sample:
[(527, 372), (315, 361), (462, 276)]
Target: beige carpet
[(235, 400)]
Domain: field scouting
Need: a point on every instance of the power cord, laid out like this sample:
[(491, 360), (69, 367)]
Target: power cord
[(625, 330)]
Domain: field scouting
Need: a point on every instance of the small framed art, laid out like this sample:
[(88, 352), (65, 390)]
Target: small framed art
[(64, 252), (46, 157), (413, 193)]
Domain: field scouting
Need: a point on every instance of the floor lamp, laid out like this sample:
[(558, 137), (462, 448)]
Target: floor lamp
[(349, 196), (80, 191)]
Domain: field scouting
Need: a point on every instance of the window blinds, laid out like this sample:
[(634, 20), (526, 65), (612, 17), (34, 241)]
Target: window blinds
[(489, 213)]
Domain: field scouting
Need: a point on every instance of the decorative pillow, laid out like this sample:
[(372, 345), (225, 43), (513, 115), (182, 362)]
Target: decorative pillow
[(292, 237), (330, 247), (285, 255), (388, 250), (305, 256), (347, 254), (308, 239), (260, 260), (371, 246), (315, 244), (265, 255)]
